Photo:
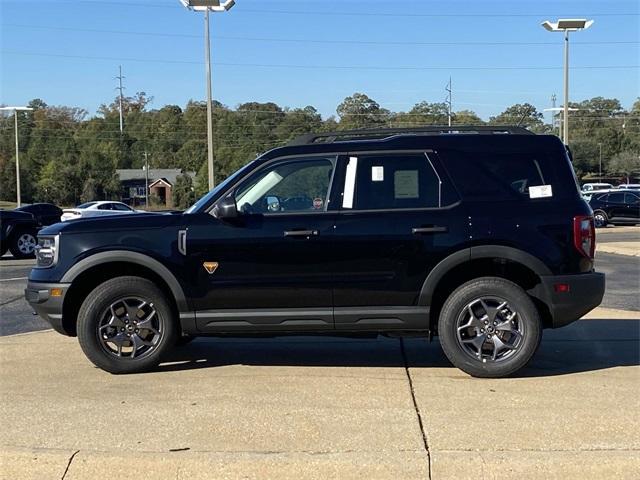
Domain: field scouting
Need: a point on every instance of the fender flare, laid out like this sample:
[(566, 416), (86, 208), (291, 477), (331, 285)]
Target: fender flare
[(130, 257), (474, 253)]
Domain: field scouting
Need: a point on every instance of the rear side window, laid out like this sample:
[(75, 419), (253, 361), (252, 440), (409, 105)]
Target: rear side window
[(630, 198), (498, 175), (393, 181)]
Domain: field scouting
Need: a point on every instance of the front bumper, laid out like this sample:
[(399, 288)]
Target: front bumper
[(48, 307), (584, 294)]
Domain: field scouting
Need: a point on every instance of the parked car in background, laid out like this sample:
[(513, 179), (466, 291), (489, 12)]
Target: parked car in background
[(44, 213), (616, 207), (18, 233), (588, 195), (629, 186), (96, 209), (588, 187)]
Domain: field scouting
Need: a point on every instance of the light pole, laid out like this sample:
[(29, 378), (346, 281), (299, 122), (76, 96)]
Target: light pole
[(566, 25), (15, 115), (600, 168), (206, 6)]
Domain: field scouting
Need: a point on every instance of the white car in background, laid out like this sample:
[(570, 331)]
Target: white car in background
[(96, 209)]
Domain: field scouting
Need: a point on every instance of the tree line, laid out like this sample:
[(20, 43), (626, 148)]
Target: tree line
[(67, 156)]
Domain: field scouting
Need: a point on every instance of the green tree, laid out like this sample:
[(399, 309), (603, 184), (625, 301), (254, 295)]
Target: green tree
[(360, 111), (183, 192), (523, 114), (626, 163)]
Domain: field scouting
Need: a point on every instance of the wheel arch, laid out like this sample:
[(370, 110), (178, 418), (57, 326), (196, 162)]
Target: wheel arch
[(487, 260), (85, 275)]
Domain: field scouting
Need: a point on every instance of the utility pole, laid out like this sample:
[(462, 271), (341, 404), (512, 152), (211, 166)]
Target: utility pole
[(553, 114), (448, 89), (15, 117), (120, 88), (146, 181)]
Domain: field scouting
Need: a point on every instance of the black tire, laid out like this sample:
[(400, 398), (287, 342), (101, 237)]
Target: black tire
[(600, 219), (461, 304), (3, 250), (22, 243), (99, 305)]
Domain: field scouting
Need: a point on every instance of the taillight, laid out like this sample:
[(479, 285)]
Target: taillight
[(584, 235)]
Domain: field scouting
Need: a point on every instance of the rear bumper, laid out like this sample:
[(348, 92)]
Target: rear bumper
[(49, 307), (585, 293)]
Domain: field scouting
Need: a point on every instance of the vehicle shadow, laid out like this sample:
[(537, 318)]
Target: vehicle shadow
[(585, 346)]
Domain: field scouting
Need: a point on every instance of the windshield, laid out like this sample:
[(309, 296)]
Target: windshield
[(218, 188)]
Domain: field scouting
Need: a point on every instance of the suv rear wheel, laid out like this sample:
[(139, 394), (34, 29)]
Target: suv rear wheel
[(125, 325), (600, 218), (489, 327)]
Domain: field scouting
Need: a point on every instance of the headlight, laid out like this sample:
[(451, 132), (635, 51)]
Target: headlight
[(47, 251)]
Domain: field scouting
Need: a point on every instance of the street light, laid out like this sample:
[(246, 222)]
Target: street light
[(15, 115), (205, 6), (567, 25)]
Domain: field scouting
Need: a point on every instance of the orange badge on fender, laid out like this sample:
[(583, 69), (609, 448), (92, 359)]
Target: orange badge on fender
[(210, 267)]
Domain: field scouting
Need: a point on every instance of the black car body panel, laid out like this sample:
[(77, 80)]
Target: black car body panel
[(339, 269), (619, 206)]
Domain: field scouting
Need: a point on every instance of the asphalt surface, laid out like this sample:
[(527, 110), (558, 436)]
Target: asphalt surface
[(623, 285)]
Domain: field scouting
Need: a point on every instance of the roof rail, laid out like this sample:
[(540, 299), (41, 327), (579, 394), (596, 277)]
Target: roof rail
[(384, 133)]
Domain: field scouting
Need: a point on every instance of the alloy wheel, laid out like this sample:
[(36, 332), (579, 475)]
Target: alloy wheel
[(489, 329), (130, 328), (26, 243)]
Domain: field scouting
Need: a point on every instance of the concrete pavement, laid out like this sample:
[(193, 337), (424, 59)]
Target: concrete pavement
[(619, 248), (303, 407)]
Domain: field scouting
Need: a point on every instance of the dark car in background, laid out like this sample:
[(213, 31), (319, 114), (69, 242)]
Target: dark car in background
[(616, 207), (44, 213), (19, 227)]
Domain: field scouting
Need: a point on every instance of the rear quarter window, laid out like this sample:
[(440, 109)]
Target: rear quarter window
[(499, 175)]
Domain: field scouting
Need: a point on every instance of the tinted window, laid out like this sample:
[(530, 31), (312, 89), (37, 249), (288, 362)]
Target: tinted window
[(391, 182), (121, 207), (616, 198), (631, 198), (86, 205), (290, 186), (105, 206), (498, 175)]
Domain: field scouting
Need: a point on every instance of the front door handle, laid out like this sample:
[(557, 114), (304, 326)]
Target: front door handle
[(301, 233), (432, 229)]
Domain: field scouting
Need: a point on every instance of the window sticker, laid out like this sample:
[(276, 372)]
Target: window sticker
[(405, 184), (377, 174), (540, 191), (350, 183)]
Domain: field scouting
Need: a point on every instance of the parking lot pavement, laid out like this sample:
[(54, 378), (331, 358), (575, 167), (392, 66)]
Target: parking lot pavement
[(304, 407)]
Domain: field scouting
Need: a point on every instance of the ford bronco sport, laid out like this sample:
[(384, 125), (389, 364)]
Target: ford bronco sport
[(478, 235)]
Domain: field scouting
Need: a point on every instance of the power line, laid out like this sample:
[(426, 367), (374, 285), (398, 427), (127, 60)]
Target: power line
[(327, 67), (318, 41), (365, 14)]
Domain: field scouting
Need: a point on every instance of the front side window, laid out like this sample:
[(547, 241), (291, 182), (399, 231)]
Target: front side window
[(631, 199), (105, 206), (395, 181), (287, 187)]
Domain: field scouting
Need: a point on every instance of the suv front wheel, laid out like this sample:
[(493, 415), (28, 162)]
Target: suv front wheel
[(489, 327), (125, 325)]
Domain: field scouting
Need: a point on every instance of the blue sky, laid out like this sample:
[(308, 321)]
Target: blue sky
[(311, 52)]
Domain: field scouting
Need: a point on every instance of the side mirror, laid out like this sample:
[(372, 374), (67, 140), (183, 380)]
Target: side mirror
[(225, 208)]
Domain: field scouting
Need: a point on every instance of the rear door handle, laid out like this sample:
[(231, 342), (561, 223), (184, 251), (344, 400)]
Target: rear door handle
[(433, 229), (301, 233)]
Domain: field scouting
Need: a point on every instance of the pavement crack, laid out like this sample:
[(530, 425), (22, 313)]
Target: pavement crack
[(11, 300), (69, 464), (415, 405)]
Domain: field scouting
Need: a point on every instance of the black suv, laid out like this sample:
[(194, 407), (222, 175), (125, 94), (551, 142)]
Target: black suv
[(478, 235), (616, 207)]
